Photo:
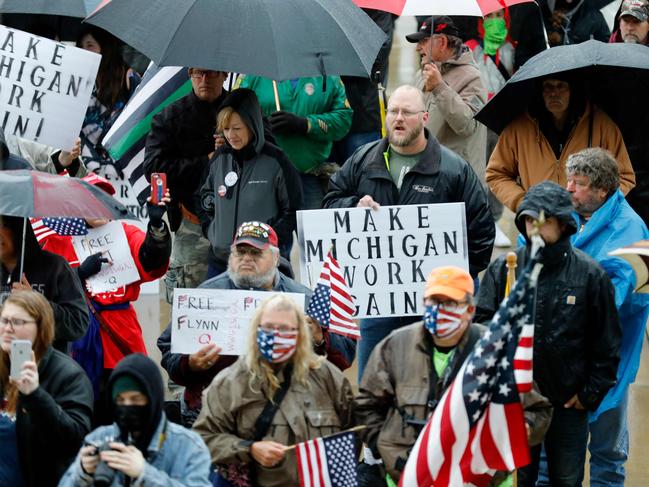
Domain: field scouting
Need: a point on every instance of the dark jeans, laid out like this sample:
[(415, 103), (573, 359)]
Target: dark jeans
[(565, 447), (373, 330)]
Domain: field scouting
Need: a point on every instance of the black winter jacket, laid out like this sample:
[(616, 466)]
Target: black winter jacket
[(577, 331), (52, 421), (52, 276), (440, 176), (181, 137)]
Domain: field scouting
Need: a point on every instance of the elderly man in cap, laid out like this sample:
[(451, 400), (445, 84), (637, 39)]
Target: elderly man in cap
[(576, 333), (253, 264), (453, 90), (633, 23), (410, 369)]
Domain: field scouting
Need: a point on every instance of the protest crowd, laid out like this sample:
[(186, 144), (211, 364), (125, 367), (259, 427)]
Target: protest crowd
[(343, 309)]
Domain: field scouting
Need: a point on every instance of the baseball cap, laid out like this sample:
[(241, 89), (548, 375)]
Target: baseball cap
[(100, 182), (449, 281), (635, 8), (259, 235), (438, 25)]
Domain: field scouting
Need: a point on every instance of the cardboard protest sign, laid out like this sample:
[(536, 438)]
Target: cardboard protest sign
[(385, 255), (110, 239), (45, 87), (221, 316)]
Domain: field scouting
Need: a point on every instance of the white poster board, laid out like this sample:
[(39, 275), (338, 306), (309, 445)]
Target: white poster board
[(45, 87), (385, 255), (110, 239), (221, 316)]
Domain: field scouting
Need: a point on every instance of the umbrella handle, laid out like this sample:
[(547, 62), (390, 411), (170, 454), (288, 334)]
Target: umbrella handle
[(276, 95), (22, 251)]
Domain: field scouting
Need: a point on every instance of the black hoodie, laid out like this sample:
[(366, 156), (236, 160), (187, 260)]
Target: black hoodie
[(146, 372), (50, 275), (267, 189)]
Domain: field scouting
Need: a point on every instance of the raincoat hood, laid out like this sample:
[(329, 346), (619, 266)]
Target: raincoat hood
[(244, 101), (553, 200), (145, 371)]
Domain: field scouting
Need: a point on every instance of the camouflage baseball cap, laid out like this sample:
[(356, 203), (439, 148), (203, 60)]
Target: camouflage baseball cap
[(638, 9)]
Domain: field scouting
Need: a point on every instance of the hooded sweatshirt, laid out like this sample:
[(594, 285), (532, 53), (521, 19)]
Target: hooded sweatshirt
[(50, 275), (146, 372), (266, 188)]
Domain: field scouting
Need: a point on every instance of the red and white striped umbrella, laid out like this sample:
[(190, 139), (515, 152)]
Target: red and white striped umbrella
[(478, 8)]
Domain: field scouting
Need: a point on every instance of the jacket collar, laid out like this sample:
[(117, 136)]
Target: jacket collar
[(599, 221), (429, 162), (45, 359)]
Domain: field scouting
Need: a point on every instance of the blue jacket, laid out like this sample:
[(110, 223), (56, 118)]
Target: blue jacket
[(176, 457), (612, 226)]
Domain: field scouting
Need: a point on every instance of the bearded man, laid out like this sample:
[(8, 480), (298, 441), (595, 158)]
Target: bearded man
[(410, 167)]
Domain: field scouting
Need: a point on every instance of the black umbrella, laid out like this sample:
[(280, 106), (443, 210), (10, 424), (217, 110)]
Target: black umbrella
[(276, 39), (68, 8), (616, 77)]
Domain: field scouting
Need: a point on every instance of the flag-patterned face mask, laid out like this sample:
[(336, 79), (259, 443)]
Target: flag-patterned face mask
[(442, 320), (276, 346)]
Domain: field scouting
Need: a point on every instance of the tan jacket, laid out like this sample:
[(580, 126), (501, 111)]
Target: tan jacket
[(230, 409), (395, 388), (451, 107), (523, 156)]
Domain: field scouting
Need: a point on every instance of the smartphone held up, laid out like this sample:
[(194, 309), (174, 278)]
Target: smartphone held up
[(21, 352), (158, 187)]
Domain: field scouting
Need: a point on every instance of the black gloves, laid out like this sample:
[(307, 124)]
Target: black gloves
[(156, 212), (288, 123), (91, 266)]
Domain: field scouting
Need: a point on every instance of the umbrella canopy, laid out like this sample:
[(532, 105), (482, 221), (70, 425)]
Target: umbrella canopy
[(37, 194), (477, 8), (68, 8), (616, 76), (278, 40)]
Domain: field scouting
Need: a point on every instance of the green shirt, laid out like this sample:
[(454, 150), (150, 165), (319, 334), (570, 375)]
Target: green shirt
[(441, 360), (399, 165)]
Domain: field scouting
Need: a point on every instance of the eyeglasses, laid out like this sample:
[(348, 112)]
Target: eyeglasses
[(269, 327), (15, 322), (243, 250), (208, 73), (393, 112), (446, 303)]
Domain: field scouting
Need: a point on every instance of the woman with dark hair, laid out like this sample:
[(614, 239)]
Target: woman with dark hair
[(45, 413), (114, 85)]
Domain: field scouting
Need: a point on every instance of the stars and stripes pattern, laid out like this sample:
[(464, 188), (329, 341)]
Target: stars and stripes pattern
[(276, 345), (328, 461), (44, 227), (331, 303), (479, 427)]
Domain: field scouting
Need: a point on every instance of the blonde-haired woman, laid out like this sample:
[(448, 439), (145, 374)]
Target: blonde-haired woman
[(45, 413), (278, 394)]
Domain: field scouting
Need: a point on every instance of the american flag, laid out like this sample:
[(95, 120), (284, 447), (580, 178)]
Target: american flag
[(275, 346), (331, 303), (478, 427), (44, 227), (328, 462)]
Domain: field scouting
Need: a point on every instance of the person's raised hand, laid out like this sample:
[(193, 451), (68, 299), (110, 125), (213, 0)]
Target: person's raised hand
[(267, 453), (368, 202), (91, 266), (127, 459), (574, 402), (28, 380), (23, 285), (205, 358), (288, 123), (431, 76), (157, 211), (67, 157)]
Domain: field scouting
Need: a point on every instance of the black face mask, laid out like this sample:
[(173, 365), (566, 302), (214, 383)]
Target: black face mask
[(131, 419)]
